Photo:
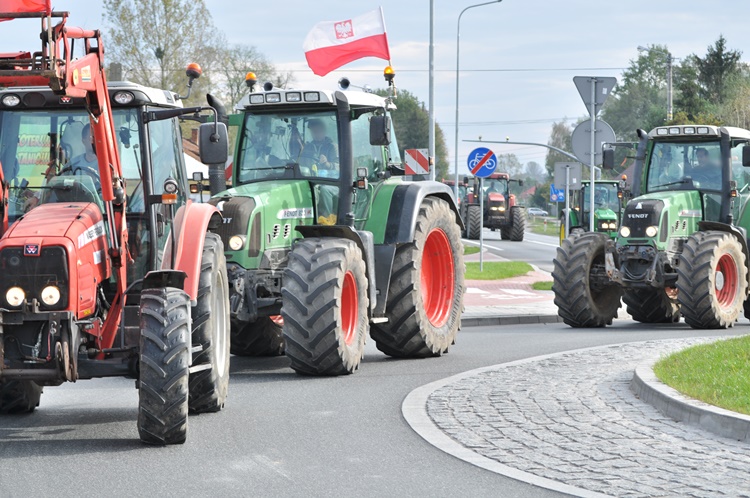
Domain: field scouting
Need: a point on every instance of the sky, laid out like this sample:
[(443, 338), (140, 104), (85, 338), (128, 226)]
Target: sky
[(517, 57)]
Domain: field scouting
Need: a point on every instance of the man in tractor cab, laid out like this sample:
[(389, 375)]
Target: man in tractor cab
[(321, 156), (86, 163), (706, 171)]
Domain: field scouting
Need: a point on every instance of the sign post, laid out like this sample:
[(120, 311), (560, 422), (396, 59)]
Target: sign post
[(572, 173), (482, 163)]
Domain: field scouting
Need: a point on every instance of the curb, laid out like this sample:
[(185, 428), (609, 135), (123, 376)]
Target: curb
[(480, 321), (673, 404)]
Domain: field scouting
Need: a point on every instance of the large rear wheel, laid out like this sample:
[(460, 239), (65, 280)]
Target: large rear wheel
[(210, 330), (652, 305), (583, 293), (474, 224), (712, 280), (164, 363), (425, 296), (263, 337), (19, 396), (325, 306), (518, 227)]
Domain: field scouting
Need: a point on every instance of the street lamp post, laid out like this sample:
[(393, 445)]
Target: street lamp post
[(670, 60), (458, 38)]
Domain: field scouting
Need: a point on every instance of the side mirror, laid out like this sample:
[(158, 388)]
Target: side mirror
[(380, 130), (214, 143), (608, 158), (746, 155), (520, 183)]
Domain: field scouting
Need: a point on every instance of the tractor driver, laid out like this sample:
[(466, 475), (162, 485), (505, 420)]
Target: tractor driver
[(321, 156), (706, 171)]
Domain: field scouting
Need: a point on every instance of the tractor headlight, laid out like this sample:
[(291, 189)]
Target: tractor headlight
[(613, 226), (494, 208), (15, 296), (50, 295), (651, 231), (502, 208), (236, 242), (625, 232)]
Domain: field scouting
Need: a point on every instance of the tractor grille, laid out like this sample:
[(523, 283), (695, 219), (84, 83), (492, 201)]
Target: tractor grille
[(276, 231), (640, 215), (236, 212), (287, 230), (33, 273)]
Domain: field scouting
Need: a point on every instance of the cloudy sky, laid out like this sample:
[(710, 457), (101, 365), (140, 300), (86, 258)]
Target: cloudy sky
[(518, 57)]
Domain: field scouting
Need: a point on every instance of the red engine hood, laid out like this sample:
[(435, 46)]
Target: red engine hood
[(80, 222), (496, 196)]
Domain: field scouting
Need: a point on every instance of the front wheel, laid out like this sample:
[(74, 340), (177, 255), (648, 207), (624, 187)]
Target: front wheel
[(325, 306), (712, 280), (474, 223), (164, 362), (425, 297), (652, 305), (19, 396), (584, 295), (518, 219), (262, 337)]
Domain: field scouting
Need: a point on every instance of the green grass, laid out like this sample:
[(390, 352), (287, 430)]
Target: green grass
[(497, 270), (544, 286), (470, 250), (536, 225), (718, 373)]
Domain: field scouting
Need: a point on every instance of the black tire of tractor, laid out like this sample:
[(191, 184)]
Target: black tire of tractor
[(210, 330), (474, 223), (263, 337), (518, 217), (711, 280), (19, 396), (505, 233), (651, 306), (164, 363), (325, 306), (577, 304), (417, 327)]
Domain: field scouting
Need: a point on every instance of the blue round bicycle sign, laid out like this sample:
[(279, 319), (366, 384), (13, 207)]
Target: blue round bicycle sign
[(482, 162)]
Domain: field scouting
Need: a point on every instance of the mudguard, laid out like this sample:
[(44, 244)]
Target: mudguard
[(191, 223), (402, 217)]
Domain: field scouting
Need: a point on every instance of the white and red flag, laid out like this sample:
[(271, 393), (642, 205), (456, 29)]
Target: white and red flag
[(331, 44)]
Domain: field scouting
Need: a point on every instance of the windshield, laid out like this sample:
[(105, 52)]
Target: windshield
[(498, 185), (271, 144), (605, 196), (676, 166), (49, 156)]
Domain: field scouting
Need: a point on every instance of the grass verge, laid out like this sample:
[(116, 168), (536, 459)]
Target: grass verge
[(717, 374), (497, 270), (543, 286), (470, 250), (536, 225)]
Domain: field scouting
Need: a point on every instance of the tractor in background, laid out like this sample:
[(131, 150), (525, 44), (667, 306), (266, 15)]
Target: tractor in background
[(607, 208), (682, 247), (500, 209), (108, 269), (325, 242)]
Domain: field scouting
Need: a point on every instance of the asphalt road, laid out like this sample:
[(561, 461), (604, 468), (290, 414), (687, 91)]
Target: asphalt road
[(536, 249), (280, 434)]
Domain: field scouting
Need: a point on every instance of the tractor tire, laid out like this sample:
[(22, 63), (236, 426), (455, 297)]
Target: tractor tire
[(425, 296), (505, 233), (712, 280), (263, 337), (19, 396), (210, 330), (164, 362), (579, 303), (325, 306), (517, 229), (651, 306), (474, 223)]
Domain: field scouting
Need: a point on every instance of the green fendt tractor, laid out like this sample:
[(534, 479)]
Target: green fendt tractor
[(607, 208), (324, 245), (682, 248)]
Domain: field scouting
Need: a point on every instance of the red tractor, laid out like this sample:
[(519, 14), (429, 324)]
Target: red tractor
[(500, 209), (105, 271)]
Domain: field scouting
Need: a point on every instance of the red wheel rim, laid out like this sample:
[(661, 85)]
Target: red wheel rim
[(437, 277), (349, 308), (277, 319), (726, 281)]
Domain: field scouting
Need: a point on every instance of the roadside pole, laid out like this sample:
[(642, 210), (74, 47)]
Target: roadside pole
[(481, 225), (567, 200), (592, 157)]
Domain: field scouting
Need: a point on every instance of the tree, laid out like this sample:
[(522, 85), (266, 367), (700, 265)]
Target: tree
[(535, 171), (715, 68), (509, 163), (559, 137), (411, 122), (154, 40)]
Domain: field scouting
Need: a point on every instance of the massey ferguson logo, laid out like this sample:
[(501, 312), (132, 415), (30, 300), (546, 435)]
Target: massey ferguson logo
[(638, 216), (31, 250), (344, 29)]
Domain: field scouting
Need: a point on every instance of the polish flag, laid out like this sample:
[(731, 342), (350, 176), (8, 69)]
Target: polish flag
[(331, 44), (18, 6)]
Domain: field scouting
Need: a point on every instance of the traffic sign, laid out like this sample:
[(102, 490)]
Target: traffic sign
[(604, 86), (482, 162), (417, 161), (574, 173), (556, 194), (581, 140)]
